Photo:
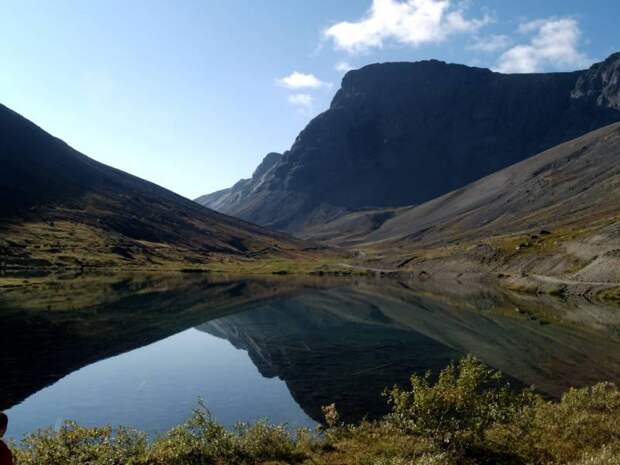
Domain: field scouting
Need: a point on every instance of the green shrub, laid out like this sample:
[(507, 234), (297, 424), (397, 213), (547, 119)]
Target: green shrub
[(75, 445), (198, 441), (585, 422), (459, 407), (468, 416), (263, 442), (201, 440)]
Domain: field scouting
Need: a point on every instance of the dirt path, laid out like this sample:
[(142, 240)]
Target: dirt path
[(367, 268), (570, 282)]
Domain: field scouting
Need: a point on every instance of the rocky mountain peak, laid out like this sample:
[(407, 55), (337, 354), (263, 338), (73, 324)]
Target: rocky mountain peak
[(382, 80), (601, 83), (403, 133), (270, 159)]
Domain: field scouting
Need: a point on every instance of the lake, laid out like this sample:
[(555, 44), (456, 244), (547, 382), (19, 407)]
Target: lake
[(142, 350)]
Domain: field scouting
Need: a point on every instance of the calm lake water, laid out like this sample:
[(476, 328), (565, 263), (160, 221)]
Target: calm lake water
[(142, 350)]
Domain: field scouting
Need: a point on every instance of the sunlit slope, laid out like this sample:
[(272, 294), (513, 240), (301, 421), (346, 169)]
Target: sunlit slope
[(557, 213)]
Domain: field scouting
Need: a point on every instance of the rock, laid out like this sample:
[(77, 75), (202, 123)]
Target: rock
[(268, 162), (601, 83), (403, 133)]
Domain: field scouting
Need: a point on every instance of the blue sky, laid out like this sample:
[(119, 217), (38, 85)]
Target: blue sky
[(192, 94)]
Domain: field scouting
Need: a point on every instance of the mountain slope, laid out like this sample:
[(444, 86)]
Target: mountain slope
[(218, 200), (403, 133), (59, 207), (555, 213)]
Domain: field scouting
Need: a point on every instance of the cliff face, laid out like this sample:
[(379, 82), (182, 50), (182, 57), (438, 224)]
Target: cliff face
[(601, 83), (243, 188), (403, 133)]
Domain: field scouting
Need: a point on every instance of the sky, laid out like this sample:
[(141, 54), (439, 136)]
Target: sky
[(192, 94)]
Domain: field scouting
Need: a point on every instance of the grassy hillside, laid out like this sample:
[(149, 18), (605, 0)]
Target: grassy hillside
[(59, 208)]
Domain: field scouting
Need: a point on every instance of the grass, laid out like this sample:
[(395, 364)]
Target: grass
[(328, 264), (468, 415), (69, 245), (610, 295), (531, 243)]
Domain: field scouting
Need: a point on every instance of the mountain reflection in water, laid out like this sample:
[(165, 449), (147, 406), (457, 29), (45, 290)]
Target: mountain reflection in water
[(340, 341)]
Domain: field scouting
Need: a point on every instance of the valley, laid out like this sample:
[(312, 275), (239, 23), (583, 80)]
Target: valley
[(389, 233), (552, 215), (60, 209), (545, 222)]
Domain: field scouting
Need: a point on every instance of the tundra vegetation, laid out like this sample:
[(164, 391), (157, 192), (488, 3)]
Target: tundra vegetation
[(468, 414)]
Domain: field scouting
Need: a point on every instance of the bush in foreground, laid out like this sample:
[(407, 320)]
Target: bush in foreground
[(469, 415)]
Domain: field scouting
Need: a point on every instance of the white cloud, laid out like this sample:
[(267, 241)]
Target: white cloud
[(410, 22), (554, 43), (489, 44), (297, 80), (343, 67), (303, 101)]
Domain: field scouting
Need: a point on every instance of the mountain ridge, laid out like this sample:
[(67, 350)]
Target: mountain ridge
[(398, 134)]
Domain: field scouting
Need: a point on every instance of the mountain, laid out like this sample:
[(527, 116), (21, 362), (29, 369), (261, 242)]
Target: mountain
[(219, 199), (60, 208), (400, 134), (557, 213)]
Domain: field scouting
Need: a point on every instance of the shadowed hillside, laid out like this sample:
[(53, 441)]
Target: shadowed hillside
[(61, 208)]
